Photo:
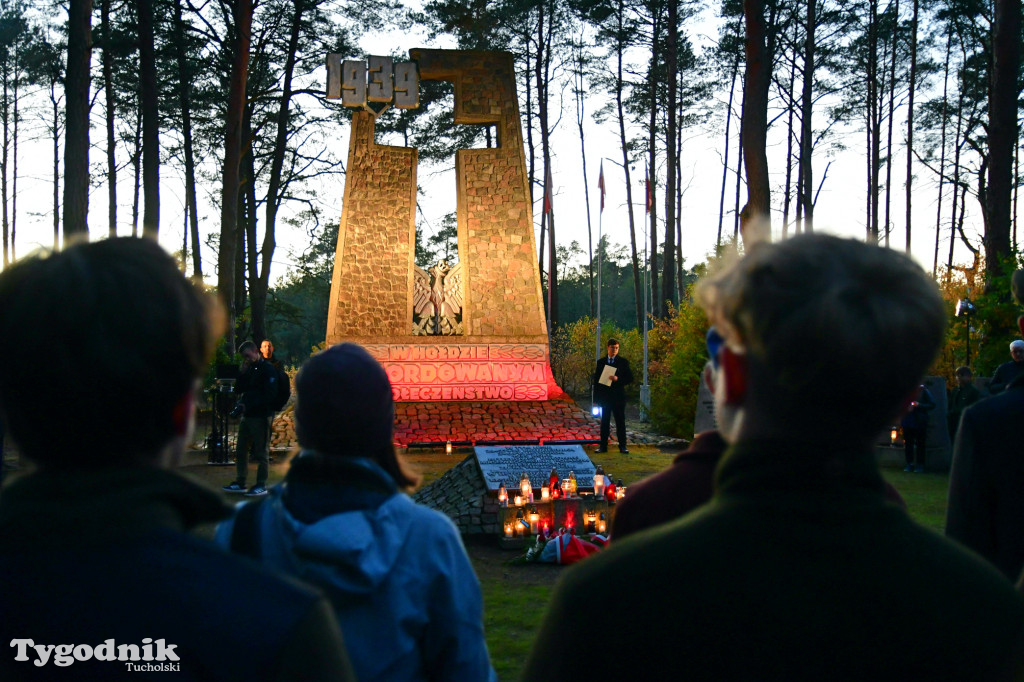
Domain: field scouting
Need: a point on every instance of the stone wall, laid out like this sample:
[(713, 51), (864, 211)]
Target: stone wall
[(371, 290), (500, 260)]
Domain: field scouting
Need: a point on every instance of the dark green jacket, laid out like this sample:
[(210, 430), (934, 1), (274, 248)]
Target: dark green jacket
[(798, 569), (91, 556)]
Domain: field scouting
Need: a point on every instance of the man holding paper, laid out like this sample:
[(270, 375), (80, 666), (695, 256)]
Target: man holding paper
[(610, 379)]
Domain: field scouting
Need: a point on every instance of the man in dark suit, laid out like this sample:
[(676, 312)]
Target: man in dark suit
[(612, 397)]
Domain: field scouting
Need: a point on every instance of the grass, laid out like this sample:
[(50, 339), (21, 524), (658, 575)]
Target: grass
[(511, 620), (515, 595)]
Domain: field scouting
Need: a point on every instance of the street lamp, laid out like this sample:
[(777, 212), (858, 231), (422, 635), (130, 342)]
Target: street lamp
[(964, 308)]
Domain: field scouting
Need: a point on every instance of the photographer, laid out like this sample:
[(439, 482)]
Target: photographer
[(257, 386)]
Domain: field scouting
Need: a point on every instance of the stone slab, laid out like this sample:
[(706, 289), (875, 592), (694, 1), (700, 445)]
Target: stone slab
[(470, 422), (705, 419), (504, 464)]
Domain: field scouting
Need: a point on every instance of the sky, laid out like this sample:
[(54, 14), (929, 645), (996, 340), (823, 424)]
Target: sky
[(840, 208)]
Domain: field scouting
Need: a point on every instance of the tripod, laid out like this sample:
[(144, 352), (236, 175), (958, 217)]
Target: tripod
[(218, 442)]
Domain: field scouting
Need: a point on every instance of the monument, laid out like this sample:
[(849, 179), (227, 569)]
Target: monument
[(456, 340)]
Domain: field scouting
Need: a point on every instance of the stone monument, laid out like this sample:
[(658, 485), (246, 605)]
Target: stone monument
[(471, 333)]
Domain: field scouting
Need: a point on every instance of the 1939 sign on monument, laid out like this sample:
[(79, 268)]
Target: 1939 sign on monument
[(474, 331)]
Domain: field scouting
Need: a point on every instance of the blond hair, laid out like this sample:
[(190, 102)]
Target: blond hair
[(836, 329)]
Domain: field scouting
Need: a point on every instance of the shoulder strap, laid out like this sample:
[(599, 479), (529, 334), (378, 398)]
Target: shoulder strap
[(245, 535)]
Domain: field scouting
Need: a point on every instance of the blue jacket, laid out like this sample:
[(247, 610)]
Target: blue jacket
[(404, 592)]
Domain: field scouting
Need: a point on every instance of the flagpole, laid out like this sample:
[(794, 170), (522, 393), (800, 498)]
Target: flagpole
[(645, 389), (549, 211)]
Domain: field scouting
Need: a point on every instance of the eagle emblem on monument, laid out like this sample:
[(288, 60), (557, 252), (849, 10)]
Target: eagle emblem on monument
[(437, 300)]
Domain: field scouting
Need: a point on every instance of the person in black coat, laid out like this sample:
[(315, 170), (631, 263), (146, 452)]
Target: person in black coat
[(915, 429), (612, 398), (962, 397), (257, 386), (1008, 371), (986, 509)]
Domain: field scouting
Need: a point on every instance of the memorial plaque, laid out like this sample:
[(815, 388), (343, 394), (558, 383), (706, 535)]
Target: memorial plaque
[(506, 464), (452, 371), (705, 419)]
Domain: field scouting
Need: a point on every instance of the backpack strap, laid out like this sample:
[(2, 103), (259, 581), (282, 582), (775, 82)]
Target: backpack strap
[(245, 535)]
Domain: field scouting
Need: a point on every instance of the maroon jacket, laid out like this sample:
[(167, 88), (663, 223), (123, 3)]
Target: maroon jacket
[(682, 487), (674, 492)]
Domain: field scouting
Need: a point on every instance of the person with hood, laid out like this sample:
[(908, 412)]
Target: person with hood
[(404, 592)]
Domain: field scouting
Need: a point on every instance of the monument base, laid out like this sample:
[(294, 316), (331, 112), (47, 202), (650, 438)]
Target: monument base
[(488, 421)]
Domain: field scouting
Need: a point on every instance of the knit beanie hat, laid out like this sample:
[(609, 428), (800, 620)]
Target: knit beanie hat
[(343, 403)]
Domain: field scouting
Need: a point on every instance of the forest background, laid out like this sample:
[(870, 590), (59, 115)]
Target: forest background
[(205, 125)]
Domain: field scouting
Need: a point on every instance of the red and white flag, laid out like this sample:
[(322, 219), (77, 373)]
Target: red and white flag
[(647, 189), (548, 204), (600, 184)]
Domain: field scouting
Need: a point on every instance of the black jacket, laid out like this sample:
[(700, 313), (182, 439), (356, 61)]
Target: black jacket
[(257, 388), (616, 393), (986, 507), (105, 554), (1004, 376), (797, 570)]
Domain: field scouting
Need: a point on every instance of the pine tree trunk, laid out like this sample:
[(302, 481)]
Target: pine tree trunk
[(14, 169), (910, 117), (56, 166), (111, 109), (137, 168), (620, 112), (542, 71), (258, 291), (755, 218), (76, 131), (957, 146), (242, 15), (185, 103), (150, 121), (652, 151), (679, 210), (806, 128), (668, 279), (5, 147), (873, 122), (739, 163), (1002, 133), (791, 108), (1017, 186), (725, 161), (942, 154), (888, 144), (580, 117)]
